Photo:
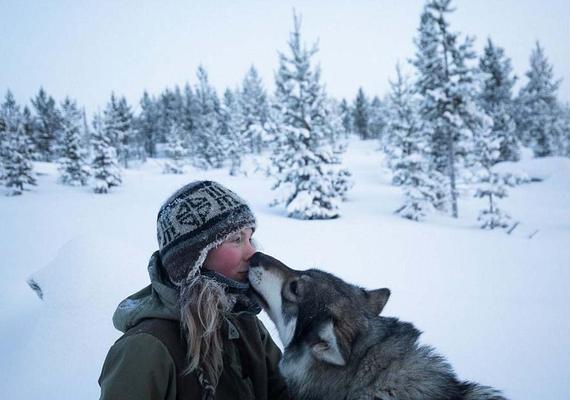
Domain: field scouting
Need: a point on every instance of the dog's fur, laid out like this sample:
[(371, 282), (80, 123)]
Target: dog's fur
[(338, 347)]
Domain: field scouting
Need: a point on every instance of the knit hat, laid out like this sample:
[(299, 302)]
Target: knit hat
[(195, 219)]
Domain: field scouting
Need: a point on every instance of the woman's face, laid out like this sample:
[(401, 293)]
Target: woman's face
[(231, 257)]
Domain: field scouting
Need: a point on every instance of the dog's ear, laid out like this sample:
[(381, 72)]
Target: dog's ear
[(328, 349), (377, 299)]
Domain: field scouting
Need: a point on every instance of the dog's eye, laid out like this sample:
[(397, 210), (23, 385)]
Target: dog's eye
[(294, 288)]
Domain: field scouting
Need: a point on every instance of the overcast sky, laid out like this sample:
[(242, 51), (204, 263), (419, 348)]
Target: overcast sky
[(86, 49)]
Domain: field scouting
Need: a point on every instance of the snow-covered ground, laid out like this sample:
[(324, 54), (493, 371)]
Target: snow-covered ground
[(495, 304)]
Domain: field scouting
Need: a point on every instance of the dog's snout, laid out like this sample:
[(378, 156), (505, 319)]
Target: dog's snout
[(256, 259)]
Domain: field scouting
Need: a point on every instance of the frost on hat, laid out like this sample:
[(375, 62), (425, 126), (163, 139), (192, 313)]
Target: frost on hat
[(195, 219)]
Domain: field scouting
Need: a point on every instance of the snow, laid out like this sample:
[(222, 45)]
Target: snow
[(493, 303)]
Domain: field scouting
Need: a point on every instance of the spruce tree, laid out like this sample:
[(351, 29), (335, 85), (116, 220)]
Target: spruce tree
[(361, 115), (208, 150), (175, 151), (306, 173), (377, 120), (29, 126), (254, 107), (564, 144), (448, 87), (539, 112), (234, 131), (73, 169), (496, 99), (15, 148), (147, 124), (104, 166), (346, 116), (48, 119), (119, 128), (490, 185), (407, 150)]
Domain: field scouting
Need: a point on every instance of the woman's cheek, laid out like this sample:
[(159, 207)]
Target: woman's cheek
[(225, 259)]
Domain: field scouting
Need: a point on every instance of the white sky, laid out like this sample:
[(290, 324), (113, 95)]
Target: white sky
[(86, 49)]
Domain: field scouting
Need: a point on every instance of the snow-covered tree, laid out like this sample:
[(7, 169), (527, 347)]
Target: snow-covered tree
[(16, 169), (104, 166), (448, 86), (234, 131), (377, 119), (175, 151), (403, 125), (48, 120), (538, 108), (73, 164), (207, 151), (407, 151), (564, 143), (147, 124), (490, 184), (496, 99), (119, 128), (346, 116), (29, 123), (254, 107), (361, 115), (306, 163)]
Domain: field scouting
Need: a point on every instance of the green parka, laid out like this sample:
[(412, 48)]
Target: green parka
[(147, 362)]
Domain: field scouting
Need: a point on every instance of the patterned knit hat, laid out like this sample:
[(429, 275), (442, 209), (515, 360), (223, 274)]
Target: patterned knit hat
[(195, 219)]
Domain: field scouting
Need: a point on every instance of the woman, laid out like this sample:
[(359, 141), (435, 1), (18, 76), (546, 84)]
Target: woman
[(193, 332)]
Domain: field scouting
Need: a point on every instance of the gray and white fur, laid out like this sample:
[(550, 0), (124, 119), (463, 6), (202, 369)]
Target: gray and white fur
[(338, 347)]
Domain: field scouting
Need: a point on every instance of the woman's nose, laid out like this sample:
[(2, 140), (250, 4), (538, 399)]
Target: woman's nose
[(249, 250)]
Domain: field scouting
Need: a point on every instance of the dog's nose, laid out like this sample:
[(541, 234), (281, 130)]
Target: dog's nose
[(256, 260)]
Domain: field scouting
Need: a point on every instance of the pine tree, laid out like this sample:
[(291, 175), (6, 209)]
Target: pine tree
[(119, 128), (306, 163), (537, 119), (496, 99), (73, 167), (407, 150), (564, 144), (208, 151), (147, 124), (254, 107), (490, 184), (403, 126), (48, 125), (346, 116), (189, 115), (448, 88), (361, 115), (377, 120), (29, 126), (104, 166), (126, 143), (15, 148), (175, 151), (234, 131)]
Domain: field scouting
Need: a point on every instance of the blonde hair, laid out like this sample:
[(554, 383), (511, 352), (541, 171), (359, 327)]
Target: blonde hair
[(203, 306)]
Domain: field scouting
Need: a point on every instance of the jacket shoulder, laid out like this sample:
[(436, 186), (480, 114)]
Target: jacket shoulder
[(138, 366)]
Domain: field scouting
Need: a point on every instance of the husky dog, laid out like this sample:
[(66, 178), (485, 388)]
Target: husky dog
[(338, 347)]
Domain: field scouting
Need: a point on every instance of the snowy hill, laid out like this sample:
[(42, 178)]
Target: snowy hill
[(493, 303)]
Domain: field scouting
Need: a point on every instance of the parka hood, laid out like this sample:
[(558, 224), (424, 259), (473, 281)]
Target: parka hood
[(157, 300)]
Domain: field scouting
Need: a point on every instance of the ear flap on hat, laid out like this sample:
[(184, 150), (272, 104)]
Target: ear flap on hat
[(328, 349), (377, 299)]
